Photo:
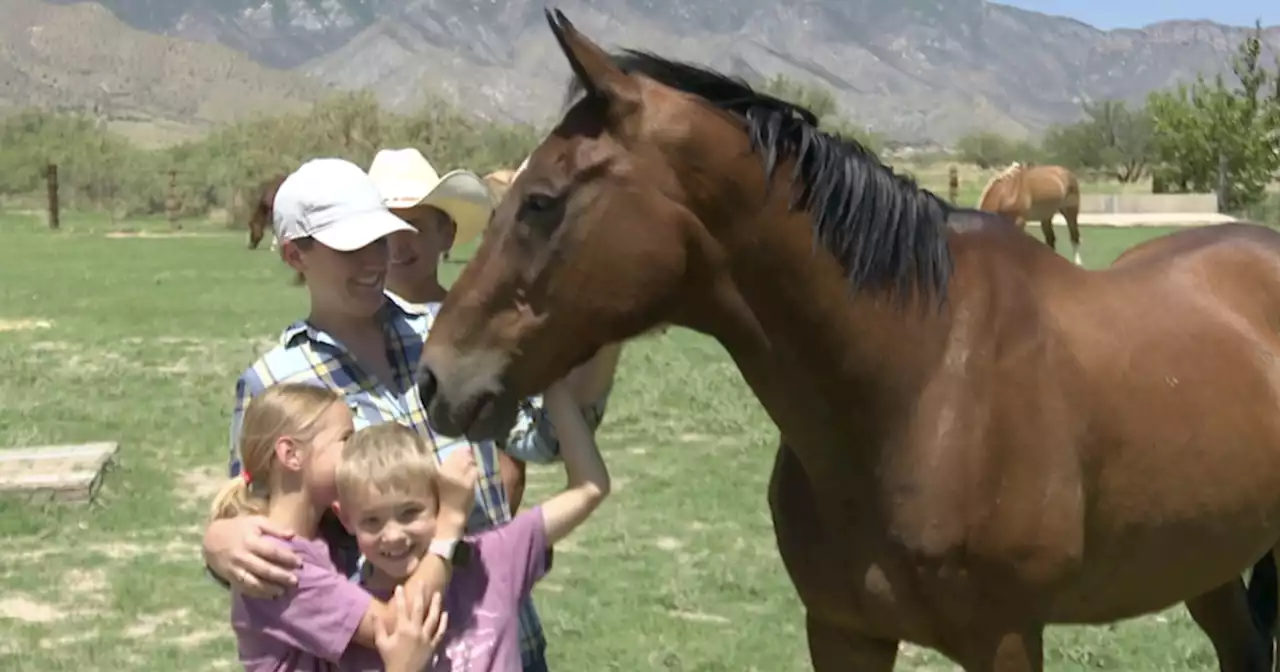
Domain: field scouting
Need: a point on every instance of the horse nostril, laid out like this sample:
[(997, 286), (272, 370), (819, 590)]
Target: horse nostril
[(426, 386)]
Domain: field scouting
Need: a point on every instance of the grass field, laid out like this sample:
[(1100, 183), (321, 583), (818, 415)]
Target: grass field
[(140, 343)]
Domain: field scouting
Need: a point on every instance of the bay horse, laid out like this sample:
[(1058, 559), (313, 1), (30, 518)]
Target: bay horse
[(979, 438), (1036, 193), (260, 216)]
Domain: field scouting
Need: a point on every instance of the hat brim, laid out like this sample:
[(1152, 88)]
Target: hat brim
[(358, 231), (462, 195)]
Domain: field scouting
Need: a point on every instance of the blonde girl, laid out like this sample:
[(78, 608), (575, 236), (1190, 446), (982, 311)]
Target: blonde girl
[(291, 442)]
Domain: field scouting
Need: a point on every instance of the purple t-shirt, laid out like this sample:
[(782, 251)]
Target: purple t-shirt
[(483, 597), (310, 628)]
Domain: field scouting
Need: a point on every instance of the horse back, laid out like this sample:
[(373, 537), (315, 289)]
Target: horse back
[(1052, 185)]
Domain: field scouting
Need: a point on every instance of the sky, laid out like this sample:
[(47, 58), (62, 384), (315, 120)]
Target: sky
[(1108, 14)]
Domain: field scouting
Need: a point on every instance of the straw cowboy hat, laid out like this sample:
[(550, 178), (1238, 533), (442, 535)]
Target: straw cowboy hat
[(405, 178)]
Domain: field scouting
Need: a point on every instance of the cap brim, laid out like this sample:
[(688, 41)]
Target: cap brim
[(358, 231)]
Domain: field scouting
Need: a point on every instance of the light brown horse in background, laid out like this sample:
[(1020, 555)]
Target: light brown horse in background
[(979, 438), (499, 182), (260, 216), (1036, 193)]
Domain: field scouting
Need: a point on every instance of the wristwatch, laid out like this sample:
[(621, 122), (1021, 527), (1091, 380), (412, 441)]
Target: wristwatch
[(452, 551)]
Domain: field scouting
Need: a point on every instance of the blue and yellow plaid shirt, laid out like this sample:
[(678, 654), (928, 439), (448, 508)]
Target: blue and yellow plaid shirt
[(308, 355)]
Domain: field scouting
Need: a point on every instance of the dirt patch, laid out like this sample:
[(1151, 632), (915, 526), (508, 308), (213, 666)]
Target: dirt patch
[(58, 643), (197, 638), (24, 325), (699, 617), (88, 584), (668, 543), (148, 624), (19, 608), (198, 486), (51, 346), (173, 551)]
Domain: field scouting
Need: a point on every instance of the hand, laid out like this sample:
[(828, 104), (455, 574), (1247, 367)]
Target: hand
[(457, 483), (236, 550), (410, 643)]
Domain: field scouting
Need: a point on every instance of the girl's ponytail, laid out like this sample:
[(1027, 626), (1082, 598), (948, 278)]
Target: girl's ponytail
[(237, 498)]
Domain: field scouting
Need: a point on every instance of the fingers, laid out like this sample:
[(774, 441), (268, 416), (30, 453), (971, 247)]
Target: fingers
[(385, 630), (402, 611), (416, 608), (270, 528), (249, 566), (256, 589), (433, 616), (440, 630), (272, 553)]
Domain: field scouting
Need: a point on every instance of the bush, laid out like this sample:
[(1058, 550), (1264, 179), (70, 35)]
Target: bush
[(100, 170)]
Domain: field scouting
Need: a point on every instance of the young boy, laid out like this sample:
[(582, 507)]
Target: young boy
[(389, 506)]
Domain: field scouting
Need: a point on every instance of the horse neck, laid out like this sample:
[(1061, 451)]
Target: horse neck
[(830, 365), (1001, 186)]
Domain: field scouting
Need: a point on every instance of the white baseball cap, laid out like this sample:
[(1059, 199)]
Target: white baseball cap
[(334, 202)]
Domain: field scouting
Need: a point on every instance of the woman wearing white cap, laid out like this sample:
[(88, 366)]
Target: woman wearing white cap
[(334, 230)]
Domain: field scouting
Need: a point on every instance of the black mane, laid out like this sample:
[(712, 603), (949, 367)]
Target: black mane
[(885, 230)]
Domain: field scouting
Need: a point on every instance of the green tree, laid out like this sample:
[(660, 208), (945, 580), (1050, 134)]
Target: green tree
[(822, 103), (1113, 139), (992, 150), (1211, 127)]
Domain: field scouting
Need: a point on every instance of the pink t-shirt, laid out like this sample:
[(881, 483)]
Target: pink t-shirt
[(483, 597), (310, 628)]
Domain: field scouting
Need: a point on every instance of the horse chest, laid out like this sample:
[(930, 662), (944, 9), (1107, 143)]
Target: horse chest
[(846, 568)]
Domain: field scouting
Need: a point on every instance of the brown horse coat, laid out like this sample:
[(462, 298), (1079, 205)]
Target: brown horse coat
[(260, 216), (979, 438), (1036, 193)]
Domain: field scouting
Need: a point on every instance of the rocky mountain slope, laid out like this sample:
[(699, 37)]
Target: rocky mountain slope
[(912, 69), (83, 57)]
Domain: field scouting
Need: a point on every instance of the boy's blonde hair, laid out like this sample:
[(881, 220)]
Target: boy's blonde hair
[(387, 458), (287, 409)]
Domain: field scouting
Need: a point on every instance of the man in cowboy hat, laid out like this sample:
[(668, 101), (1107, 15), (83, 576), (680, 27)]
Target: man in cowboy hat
[(447, 211)]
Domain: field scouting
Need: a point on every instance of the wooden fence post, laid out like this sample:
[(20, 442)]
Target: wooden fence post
[(1224, 183), (953, 185), (171, 201), (51, 187)]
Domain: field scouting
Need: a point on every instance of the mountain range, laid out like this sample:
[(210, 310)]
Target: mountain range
[(919, 71)]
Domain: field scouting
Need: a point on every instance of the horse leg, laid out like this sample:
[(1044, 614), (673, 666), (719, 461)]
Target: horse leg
[(1050, 239), (1072, 215), (1015, 650), (512, 473), (835, 649), (1223, 614)]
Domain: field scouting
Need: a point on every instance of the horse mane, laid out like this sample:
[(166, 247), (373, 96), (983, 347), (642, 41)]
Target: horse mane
[(1003, 176), (885, 231)]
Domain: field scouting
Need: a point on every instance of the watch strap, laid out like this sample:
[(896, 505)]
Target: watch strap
[(445, 548)]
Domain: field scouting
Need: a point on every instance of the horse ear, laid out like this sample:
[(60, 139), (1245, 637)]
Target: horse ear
[(599, 75)]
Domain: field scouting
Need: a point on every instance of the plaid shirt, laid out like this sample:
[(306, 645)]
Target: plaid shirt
[(308, 355)]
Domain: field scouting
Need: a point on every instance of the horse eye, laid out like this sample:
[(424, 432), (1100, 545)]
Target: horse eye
[(537, 202)]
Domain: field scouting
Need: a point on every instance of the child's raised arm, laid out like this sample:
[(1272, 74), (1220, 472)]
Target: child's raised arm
[(588, 477)]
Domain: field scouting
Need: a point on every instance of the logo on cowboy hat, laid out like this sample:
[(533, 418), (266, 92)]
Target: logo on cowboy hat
[(406, 179)]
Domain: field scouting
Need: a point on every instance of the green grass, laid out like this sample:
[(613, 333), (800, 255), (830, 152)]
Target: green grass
[(677, 572)]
